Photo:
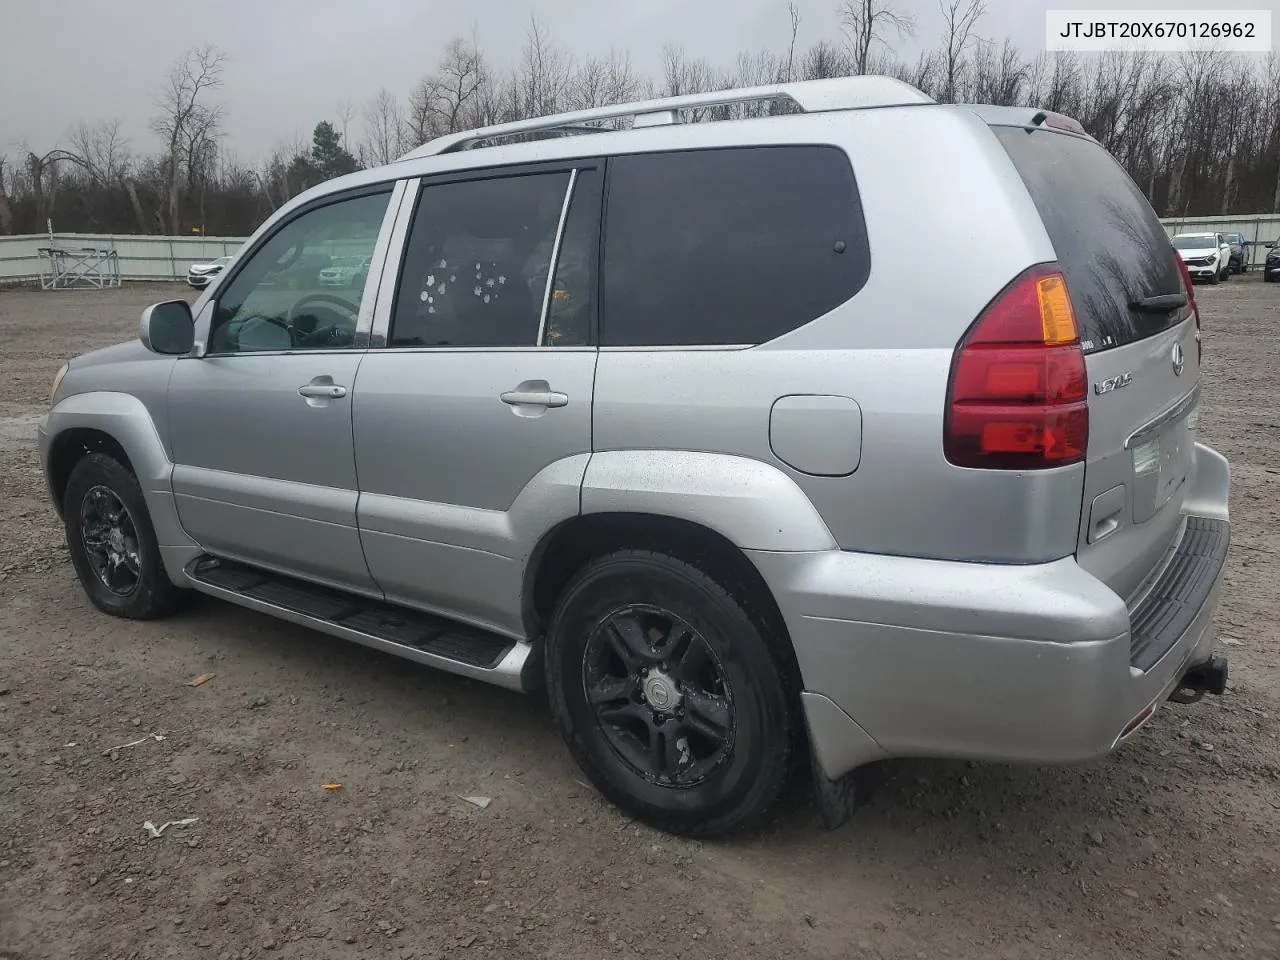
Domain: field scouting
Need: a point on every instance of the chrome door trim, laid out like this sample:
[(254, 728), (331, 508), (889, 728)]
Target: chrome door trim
[(387, 286), (369, 298), (555, 259)]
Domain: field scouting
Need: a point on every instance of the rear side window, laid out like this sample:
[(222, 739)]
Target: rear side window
[(733, 246), (1110, 243), (475, 269)]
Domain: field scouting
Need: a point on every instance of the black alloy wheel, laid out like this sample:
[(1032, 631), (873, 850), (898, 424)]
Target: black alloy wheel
[(660, 695)]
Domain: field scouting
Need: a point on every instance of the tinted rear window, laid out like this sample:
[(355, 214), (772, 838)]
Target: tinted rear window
[(732, 246), (1110, 243)]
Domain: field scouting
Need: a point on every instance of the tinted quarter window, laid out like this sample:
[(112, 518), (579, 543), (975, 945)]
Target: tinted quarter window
[(475, 269), (1110, 243), (732, 246)]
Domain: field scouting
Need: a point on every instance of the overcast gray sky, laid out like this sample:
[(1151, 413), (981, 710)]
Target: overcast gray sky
[(293, 61)]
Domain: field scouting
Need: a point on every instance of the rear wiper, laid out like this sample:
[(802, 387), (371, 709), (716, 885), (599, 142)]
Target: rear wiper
[(1163, 303)]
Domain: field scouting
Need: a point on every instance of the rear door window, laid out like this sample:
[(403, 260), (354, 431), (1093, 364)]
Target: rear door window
[(475, 268), (1110, 243), (729, 246)]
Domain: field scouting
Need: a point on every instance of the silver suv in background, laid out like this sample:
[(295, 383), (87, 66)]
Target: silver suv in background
[(640, 416)]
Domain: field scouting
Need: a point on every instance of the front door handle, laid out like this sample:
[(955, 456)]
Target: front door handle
[(322, 391), (534, 393)]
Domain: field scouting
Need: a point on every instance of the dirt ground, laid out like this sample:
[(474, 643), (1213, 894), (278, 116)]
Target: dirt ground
[(1169, 848)]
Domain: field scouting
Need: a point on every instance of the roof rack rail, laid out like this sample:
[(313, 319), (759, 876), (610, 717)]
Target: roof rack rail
[(810, 96)]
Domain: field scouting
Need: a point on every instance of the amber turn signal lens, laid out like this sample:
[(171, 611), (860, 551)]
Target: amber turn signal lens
[(1057, 319)]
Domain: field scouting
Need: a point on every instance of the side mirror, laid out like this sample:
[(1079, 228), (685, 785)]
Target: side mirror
[(168, 327)]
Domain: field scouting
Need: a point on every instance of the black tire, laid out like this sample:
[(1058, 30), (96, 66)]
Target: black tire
[(728, 787), (1216, 278), (144, 594)]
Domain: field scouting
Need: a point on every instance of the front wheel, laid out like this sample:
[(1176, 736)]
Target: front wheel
[(112, 543), (1216, 278), (671, 696)]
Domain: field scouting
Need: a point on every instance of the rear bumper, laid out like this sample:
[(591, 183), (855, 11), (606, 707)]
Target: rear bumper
[(1035, 663)]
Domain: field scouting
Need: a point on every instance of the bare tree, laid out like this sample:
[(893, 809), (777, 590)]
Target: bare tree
[(6, 211), (186, 121), (865, 23), (443, 100), (959, 18), (922, 74), (101, 149), (280, 177), (600, 81), (1271, 108), (43, 173), (793, 13), (1199, 133), (345, 113), (825, 60), (386, 133), (545, 72), (1000, 75)]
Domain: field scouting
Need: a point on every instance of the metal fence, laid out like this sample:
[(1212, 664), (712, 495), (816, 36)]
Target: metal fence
[(139, 257), (167, 258)]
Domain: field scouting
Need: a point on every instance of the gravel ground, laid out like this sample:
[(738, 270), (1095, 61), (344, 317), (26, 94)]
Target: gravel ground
[(1169, 848)]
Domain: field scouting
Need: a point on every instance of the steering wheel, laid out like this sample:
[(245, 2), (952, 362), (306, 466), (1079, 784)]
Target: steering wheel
[(340, 302), (322, 331)]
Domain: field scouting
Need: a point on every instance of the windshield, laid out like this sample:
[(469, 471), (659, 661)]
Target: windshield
[(1193, 243)]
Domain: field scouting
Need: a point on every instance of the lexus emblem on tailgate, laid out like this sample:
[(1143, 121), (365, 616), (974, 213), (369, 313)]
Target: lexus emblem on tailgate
[(1179, 361)]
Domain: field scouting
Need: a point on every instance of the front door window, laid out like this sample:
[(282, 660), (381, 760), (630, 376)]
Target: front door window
[(301, 290)]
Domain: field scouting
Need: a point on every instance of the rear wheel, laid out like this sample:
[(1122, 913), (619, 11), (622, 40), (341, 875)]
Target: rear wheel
[(670, 695), (112, 543)]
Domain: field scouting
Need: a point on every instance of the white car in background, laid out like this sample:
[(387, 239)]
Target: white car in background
[(1207, 255), (345, 272), (199, 274)]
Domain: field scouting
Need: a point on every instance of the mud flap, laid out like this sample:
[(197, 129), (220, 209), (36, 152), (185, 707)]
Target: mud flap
[(838, 800)]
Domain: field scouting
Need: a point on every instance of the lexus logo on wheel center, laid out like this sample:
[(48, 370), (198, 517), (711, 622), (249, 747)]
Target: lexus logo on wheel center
[(1179, 361)]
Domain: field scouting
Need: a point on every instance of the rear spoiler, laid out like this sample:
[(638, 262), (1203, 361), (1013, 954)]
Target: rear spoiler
[(1028, 117)]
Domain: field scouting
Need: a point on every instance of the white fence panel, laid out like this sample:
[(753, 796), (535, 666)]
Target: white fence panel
[(141, 257)]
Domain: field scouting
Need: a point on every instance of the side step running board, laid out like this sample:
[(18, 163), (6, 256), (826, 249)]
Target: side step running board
[(411, 634)]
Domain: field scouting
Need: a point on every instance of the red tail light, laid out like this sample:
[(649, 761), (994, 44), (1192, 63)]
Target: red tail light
[(1191, 302), (1017, 399)]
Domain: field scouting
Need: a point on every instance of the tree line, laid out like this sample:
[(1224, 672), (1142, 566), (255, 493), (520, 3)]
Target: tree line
[(1199, 132)]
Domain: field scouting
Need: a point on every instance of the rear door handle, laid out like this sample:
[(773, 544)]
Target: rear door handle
[(322, 391), (531, 395)]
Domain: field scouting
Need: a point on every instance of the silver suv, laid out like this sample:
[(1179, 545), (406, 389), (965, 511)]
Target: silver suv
[(855, 430)]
